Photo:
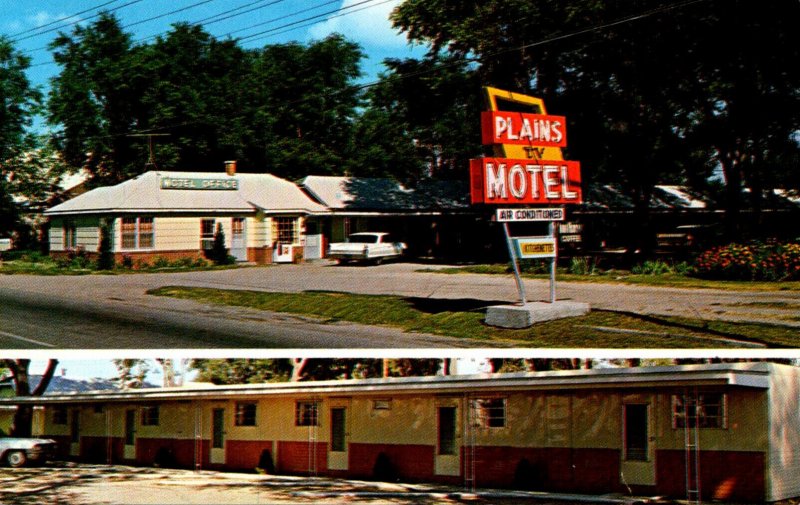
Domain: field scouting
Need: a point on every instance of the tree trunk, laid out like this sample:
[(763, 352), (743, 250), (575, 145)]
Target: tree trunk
[(298, 368), (23, 417)]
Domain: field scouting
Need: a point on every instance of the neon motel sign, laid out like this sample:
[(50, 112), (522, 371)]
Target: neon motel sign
[(528, 167)]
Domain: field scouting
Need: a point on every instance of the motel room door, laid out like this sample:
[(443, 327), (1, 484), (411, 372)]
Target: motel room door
[(638, 442), (129, 447), (447, 460), (338, 454), (217, 456), (239, 238)]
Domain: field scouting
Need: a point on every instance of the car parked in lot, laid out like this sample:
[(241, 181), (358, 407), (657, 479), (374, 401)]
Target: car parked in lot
[(17, 452), (366, 246)]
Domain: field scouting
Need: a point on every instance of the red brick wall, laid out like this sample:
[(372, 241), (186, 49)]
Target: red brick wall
[(553, 469), (724, 475), (244, 455), (182, 452), (412, 462), (293, 457), (259, 255)]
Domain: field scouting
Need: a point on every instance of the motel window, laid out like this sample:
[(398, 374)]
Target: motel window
[(245, 414), (489, 412), (306, 414), (382, 404), (60, 415), (285, 229), (207, 234), (70, 235), (137, 233), (704, 410), (150, 415)]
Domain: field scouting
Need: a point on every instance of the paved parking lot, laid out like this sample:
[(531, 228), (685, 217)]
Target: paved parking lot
[(83, 484)]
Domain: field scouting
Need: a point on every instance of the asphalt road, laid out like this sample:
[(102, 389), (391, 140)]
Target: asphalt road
[(114, 311)]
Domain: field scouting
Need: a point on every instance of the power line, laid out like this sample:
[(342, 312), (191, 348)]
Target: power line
[(434, 68), (213, 19), (274, 33), (596, 28), (51, 23), (132, 2), (241, 39)]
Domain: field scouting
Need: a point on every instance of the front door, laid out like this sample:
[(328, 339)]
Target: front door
[(239, 239), (638, 463), (337, 456), (218, 436), (448, 454), (129, 450), (75, 434)]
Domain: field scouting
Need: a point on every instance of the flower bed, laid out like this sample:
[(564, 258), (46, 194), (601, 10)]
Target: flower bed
[(757, 261)]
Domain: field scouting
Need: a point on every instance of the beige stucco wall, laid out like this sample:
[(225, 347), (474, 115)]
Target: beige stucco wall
[(783, 474)]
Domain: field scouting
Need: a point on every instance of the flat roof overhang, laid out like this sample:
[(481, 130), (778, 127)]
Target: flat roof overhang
[(753, 376)]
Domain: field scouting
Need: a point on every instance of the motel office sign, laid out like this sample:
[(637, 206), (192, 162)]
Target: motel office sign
[(193, 183)]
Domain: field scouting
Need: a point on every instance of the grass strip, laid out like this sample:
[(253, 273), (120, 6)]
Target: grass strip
[(464, 319)]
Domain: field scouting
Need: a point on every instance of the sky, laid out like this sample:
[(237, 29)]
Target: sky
[(32, 24), (102, 367)]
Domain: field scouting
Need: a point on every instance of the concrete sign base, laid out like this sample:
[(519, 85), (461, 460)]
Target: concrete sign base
[(524, 316)]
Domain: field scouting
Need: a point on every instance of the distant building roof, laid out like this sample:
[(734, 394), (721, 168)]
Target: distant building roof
[(611, 197), (145, 194), (365, 194)]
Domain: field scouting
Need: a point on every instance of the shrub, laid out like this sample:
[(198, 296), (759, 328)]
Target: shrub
[(218, 253), (581, 265), (656, 267), (127, 262), (533, 266), (772, 261), (161, 262), (105, 260)]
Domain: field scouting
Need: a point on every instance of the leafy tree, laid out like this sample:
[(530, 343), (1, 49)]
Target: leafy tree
[(19, 102), (197, 93), (131, 372), (243, 371), (95, 100), (23, 417), (662, 97), (305, 104), (423, 120)]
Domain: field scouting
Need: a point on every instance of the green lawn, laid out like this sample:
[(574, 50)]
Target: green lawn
[(464, 319), (625, 277)]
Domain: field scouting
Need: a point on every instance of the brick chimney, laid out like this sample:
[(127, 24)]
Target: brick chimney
[(230, 167)]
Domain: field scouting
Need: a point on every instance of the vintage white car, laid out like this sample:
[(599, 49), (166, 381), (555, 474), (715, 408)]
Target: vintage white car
[(366, 246), (17, 452)]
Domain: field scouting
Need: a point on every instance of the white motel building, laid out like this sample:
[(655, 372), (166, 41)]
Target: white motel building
[(172, 215)]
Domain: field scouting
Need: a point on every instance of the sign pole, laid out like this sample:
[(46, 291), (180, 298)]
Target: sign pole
[(520, 286), (552, 231)]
